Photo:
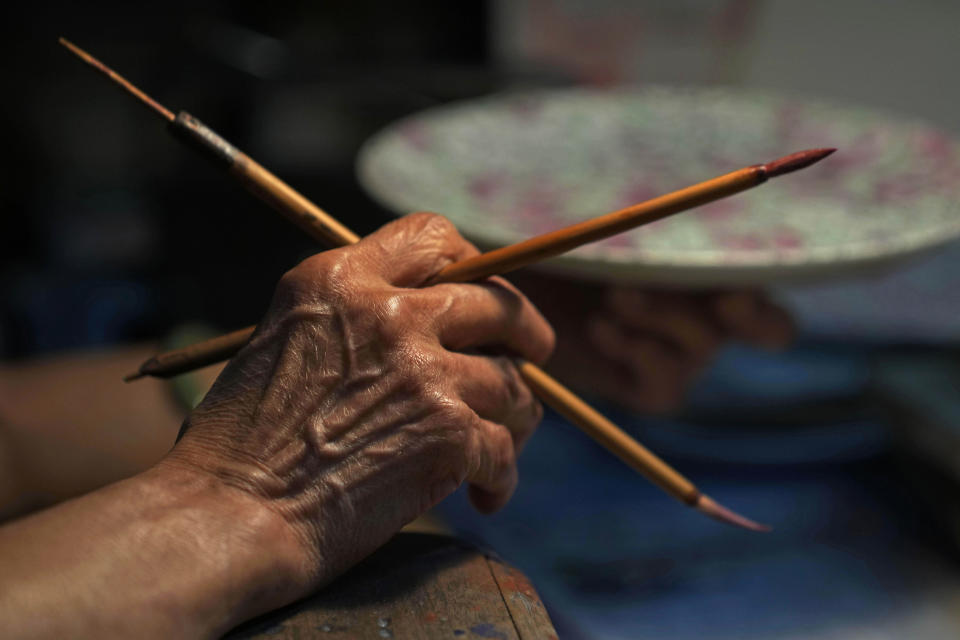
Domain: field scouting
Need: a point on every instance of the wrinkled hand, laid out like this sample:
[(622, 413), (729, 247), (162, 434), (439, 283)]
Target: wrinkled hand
[(642, 347), (363, 400)]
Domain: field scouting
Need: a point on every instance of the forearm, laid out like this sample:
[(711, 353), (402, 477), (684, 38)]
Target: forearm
[(168, 553), (68, 425), (360, 402)]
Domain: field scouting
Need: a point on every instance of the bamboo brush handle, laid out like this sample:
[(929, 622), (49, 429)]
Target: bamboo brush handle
[(604, 432), (323, 227), (554, 243), (314, 221)]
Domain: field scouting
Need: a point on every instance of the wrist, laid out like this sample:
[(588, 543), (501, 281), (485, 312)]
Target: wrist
[(248, 558)]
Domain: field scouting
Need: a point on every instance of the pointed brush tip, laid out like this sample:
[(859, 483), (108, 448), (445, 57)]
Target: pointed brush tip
[(72, 47), (816, 155), (709, 507), (118, 79), (796, 161)]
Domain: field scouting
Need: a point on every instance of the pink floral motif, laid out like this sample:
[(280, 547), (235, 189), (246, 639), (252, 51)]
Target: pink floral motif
[(622, 241), (649, 142), (537, 208), (719, 211), (484, 187), (416, 135), (721, 160), (899, 188), (948, 179), (638, 192), (526, 108), (936, 145), (740, 241), (855, 155), (787, 238)]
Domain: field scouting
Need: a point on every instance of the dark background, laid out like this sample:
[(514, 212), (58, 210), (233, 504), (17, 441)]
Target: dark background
[(113, 232)]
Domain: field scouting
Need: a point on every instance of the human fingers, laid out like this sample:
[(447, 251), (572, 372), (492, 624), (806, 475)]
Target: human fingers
[(495, 391), (485, 314), (410, 251), (406, 253), (677, 319), (493, 467), (775, 328), (652, 375), (752, 317)]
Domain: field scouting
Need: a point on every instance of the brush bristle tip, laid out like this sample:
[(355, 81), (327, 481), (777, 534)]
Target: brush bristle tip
[(717, 511), (796, 161)]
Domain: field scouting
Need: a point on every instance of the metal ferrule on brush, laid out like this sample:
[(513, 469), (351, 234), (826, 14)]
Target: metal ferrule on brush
[(199, 136)]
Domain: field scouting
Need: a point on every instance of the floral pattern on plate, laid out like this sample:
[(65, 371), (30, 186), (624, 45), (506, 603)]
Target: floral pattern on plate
[(510, 166)]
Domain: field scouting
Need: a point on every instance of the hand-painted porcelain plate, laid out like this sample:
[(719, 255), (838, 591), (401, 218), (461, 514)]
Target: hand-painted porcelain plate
[(510, 166)]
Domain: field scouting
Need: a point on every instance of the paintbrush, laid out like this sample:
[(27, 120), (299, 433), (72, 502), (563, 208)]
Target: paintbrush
[(515, 256), (320, 225)]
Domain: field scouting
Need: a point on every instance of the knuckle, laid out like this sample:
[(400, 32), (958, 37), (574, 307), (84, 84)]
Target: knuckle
[(320, 275), (430, 241), (388, 315), (423, 380), (391, 319), (515, 391), (500, 446), (437, 231), (419, 365), (294, 283), (452, 412), (398, 318), (434, 223), (412, 381), (393, 310), (452, 424)]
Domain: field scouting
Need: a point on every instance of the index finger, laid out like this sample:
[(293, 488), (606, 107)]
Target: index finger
[(752, 317), (490, 313), (410, 251)]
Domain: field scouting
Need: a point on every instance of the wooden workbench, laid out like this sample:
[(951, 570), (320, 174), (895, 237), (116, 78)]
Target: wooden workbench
[(419, 585)]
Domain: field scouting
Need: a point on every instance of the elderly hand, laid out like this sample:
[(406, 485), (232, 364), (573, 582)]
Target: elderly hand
[(363, 400), (642, 347)]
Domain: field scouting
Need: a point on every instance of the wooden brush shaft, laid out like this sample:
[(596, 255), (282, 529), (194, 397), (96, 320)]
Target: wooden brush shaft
[(324, 228), (316, 222), (554, 243), (607, 434)]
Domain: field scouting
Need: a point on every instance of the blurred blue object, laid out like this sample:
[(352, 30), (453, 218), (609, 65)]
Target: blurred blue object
[(613, 557), (794, 440), (754, 407), (742, 377)]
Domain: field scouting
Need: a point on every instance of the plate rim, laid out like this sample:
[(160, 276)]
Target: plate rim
[(773, 265)]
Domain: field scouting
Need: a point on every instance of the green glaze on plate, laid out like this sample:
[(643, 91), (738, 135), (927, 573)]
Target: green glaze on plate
[(506, 167)]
